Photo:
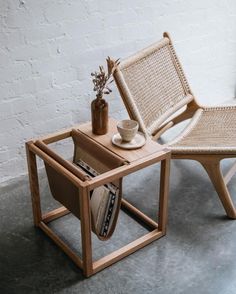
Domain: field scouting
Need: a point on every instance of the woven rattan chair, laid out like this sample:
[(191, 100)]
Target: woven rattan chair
[(156, 94)]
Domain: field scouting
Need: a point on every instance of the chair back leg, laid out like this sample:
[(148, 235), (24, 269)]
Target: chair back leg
[(231, 172), (212, 166)]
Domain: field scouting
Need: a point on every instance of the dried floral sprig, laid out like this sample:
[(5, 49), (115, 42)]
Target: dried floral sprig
[(101, 79)]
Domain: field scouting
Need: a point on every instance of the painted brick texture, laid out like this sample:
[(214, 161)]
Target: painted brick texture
[(48, 49)]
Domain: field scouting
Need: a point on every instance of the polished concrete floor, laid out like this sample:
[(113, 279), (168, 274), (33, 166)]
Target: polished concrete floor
[(198, 254)]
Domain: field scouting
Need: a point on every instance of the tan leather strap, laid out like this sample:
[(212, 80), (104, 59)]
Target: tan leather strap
[(107, 157)]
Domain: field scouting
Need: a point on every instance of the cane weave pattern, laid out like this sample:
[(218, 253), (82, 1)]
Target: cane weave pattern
[(155, 86), (214, 131)]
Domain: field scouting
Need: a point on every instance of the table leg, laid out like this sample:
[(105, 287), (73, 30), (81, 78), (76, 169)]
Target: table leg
[(34, 184), (85, 220), (164, 191)]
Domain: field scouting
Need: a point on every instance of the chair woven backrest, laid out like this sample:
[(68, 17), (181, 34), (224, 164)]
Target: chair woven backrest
[(152, 85)]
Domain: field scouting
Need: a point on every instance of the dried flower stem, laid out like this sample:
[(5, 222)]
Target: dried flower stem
[(101, 79)]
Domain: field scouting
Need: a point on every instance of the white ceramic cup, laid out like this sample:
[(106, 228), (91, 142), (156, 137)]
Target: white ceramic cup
[(127, 129)]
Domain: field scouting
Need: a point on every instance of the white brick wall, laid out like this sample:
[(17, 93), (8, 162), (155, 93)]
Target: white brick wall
[(49, 47)]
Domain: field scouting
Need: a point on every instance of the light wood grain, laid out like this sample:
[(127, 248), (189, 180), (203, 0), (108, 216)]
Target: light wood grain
[(130, 155), (164, 192), (61, 244), (126, 250), (34, 184), (212, 166), (54, 214), (124, 170), (135, 160), (85, 222), (57, 136), (59, 168), (139, 214)]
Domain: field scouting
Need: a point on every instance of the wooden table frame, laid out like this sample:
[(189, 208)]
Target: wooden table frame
[(89, 266)]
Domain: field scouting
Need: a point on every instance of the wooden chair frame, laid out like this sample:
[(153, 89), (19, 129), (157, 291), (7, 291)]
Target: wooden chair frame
[(210, 162), (209, 159), (89, 266)]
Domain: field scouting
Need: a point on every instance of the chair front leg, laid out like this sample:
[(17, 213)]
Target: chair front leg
[(212, 166)]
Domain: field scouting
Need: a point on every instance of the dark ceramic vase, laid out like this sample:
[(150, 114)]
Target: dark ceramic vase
[(99, 113)]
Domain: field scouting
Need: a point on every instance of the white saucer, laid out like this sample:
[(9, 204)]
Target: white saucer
[(138, 141)]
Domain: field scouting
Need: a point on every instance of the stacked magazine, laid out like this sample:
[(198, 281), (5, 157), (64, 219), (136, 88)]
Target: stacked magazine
[(103, 201)]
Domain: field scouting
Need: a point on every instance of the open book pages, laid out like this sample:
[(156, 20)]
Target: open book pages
[(103, 201)]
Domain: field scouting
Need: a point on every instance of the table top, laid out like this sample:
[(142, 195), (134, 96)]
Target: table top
[(149, 148)]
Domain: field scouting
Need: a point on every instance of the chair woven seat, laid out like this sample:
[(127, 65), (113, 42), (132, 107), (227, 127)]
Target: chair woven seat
[(211, 130)]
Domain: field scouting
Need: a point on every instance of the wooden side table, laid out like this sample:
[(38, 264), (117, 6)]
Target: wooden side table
[(137, 159)]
